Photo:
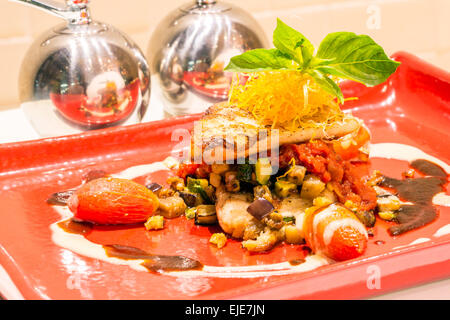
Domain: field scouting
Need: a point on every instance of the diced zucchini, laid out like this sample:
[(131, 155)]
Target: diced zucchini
[(296, 174), (205, 215), (190, 213), (284, 188), (263, 170), (199, 186), (194, 184), (312, 186)]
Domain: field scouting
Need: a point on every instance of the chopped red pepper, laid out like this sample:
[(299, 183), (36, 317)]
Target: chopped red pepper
[(347, 178), (186, 169)]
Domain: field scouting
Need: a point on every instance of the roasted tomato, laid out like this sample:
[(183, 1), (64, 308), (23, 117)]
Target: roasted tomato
[(348, 147), (315, 155), (186, 169), (348, 178), (336, 232), (113, 201)]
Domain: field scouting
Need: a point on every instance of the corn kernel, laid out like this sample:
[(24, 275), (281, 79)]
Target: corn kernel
[(190, 213), (409, 174), (321, 201), (154, 223), (386, 215), (292, 234), (390, 203), (351, 205), (219, 239), (176, 183)]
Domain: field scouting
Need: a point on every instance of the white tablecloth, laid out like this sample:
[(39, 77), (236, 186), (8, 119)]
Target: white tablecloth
[(15, 127)]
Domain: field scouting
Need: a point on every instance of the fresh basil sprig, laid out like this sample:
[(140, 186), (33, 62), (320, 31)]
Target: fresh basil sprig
[(342, 54)]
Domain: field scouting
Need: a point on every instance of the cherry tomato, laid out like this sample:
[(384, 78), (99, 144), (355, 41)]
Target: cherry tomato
[(113, 201)]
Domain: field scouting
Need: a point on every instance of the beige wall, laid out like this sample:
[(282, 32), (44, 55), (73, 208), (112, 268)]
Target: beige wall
[(421, 27)]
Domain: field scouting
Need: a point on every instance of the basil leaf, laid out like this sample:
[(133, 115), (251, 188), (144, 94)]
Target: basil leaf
[(260, 60), (316, 62), (355, 57), (327, 84), (293, 43)]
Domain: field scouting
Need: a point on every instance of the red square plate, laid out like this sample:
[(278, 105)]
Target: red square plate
[(412, 107)]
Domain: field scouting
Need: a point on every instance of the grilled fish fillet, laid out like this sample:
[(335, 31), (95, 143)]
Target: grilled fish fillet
[(228, 133), (231, 210)]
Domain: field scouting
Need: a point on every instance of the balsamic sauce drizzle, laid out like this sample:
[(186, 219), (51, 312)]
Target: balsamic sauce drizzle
[(296, 262), (76, 227), (152, 262), (419, 191), (60, 198)]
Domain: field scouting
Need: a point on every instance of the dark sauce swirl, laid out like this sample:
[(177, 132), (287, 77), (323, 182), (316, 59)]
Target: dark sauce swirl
[(152, 262), (60, 198), (428, 168), (76, 227), (419, 191)]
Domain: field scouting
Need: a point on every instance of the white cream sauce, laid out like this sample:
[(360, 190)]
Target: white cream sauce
[(441, 199), (137, 171), (79, 244), (442, 231), (417, 241)]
